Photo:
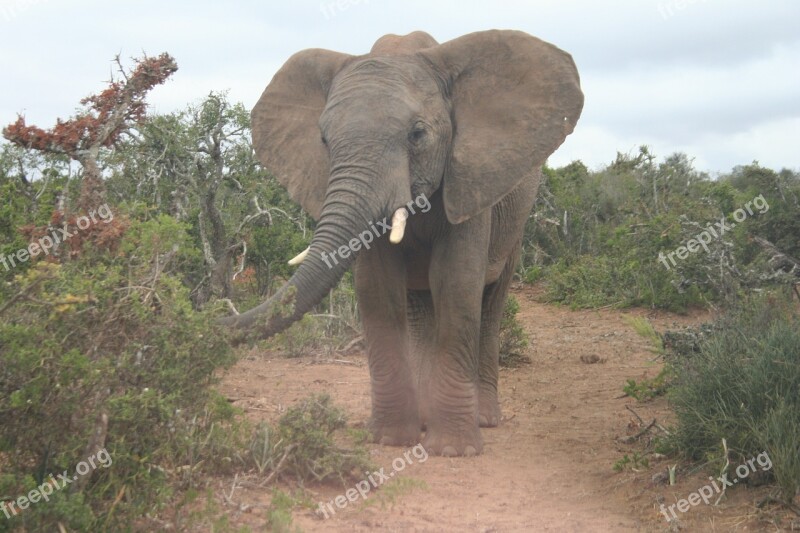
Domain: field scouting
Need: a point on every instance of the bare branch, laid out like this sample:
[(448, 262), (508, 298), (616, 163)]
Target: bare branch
[(230, 305), (241, 265), (207, 252)]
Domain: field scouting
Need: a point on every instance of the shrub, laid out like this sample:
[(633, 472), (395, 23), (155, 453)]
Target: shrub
[(743, 386), (596, 236), (334, 324), (627, 274), (105, 351), (513, 339), (647, 389), (306, 443)]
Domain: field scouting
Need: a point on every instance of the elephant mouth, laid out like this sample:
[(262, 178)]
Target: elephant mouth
[(396, 230)]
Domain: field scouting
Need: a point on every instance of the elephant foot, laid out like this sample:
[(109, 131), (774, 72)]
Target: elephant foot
[(488, 411), (447, 444), (404, 434)]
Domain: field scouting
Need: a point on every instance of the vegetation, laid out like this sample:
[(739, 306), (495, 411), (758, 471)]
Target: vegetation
[(634, 462), (645, 329), (279, 513), (304, 445), (648, 389), (104, 351), (742, 386), (106, 337), (596, 236), (390, 493), (513, 339)]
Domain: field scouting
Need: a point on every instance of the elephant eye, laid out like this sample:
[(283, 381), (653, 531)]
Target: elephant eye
[(417, 134), (324, 140)]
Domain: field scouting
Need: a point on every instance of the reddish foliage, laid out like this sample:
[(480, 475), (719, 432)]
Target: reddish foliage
[(106, 115), (248, 275), (102, 235)]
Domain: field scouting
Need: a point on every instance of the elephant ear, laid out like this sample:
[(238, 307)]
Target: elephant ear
[(286, 136), (514, 99)]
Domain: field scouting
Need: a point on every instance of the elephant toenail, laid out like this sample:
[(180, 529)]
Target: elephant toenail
[(449, 451), (469, 451)]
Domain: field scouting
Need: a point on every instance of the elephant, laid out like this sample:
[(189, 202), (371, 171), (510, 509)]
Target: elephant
[(462, 127)]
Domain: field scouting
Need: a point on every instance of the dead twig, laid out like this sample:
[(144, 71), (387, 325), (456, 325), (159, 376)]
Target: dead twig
[(23, 294), (229, 498), (724, 471), (653, 424), (609, 305), (230, 305), (279, 466), (659, 426), (351, 344), (629, 408), (650, 426), (772, 499)]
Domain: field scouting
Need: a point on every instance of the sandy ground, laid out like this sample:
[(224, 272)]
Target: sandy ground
[(548, 467)]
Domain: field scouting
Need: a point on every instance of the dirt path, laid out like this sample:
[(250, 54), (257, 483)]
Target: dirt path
[(548, 467)]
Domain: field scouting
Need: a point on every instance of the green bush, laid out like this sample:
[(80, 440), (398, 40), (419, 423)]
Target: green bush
[(105, 351), (597, 236), (331, 326), (513, 339), (743, 386), (647, 389), (306, 443), (627, 273)]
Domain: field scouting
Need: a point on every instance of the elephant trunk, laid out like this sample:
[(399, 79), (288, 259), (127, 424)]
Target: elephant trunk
[(342, 218)]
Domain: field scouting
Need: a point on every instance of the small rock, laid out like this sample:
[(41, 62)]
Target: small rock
[(660, 478)]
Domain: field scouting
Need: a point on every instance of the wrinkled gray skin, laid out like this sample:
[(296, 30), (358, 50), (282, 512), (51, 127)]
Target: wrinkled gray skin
[(468, 124)]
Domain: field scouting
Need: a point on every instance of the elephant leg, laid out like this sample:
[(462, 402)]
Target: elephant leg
[(494, 299), (458, 270), (422, 334), (381, 291)]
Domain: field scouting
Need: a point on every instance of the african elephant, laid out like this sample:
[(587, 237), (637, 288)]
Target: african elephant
[(466, 126)]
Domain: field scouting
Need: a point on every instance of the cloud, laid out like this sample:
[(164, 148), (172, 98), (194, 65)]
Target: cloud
[(716, 79), (682, 103)]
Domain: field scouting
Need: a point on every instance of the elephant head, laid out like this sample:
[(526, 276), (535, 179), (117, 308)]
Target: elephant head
[(355, 138)]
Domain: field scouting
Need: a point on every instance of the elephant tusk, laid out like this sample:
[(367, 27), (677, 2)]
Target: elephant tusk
[(300, 257), (398, 225)]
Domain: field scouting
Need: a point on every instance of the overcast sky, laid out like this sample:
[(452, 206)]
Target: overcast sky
[(716, 79)]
